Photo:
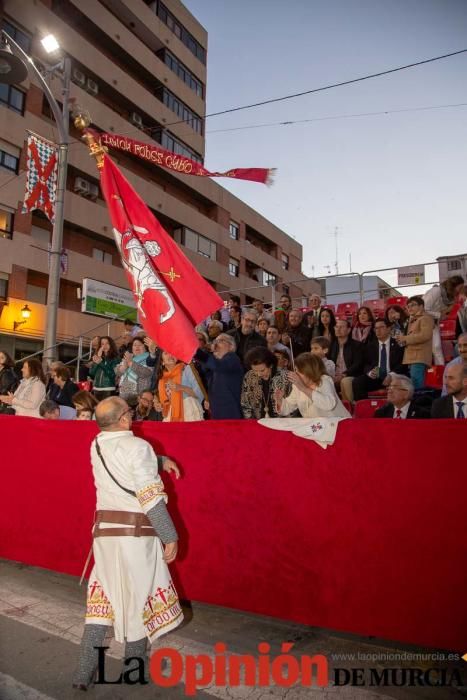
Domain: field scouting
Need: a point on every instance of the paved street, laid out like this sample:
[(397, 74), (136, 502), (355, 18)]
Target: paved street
[(41, 620)]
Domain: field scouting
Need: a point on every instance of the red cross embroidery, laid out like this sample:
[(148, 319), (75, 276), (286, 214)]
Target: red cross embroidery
[(40, 188)]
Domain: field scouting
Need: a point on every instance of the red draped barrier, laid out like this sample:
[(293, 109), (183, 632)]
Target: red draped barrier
[(365, 537)]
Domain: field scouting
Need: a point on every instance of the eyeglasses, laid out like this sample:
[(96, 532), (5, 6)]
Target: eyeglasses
[(128, 410)]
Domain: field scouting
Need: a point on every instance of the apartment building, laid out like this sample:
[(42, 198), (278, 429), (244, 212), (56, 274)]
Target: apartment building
[(139, 68)]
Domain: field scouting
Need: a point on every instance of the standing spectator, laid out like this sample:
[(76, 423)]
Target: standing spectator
[(225, 377), (312, 315), (262, 326), (461, 323), (438, 302), (203, 339), (215, 328), (326, 326), (397, 319), (320, 347), (235, 313), (261, 383), (297, 335), (49, 410), (454, 405), (179, 391), (460, 359), (131, 329), (400, 404), (246, 337), (280, 314), (31, 390), (8, 379), (381, 356), (102, 368), (134, 373), (347, 355), (66, 387), (313, 392), (417, 341), (153, 361), (272, 340), (362, 330), (258, 306)]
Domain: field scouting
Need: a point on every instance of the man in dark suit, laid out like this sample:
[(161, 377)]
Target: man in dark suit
[(454, 404), (400, 404), (381, 355), (347, 355), (246, 337)]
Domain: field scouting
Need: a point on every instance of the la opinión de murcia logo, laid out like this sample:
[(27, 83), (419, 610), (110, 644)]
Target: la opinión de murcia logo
[(227, 670)]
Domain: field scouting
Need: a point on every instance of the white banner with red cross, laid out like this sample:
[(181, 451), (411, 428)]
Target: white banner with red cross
[(42, 175)]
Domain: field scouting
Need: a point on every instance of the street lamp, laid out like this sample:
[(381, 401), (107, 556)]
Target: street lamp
[(25, 313), (14, 69)]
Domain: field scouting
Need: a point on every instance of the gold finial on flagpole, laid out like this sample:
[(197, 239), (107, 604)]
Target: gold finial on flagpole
[(82, 119)]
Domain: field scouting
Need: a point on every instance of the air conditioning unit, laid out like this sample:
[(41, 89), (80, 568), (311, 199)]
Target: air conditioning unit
[(92, 87), (78, 77), (93, 192), (81, 186), (136, 119)]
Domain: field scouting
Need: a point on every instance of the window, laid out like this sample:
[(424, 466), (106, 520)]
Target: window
[(9, 157), (12, 98), (41, 236), (21, 37), (454, 265), (285, 289), (6, 221), (285, 261), (171, 144), (195, 242), (181, 110), (36, 294), (102, 256), (183, 73), (179, 30), (234, 230), (268, 279), (234, 267), (3, 285)]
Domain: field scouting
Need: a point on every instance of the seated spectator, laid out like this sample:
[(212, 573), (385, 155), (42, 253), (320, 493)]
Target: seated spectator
[(260, 309), (179, 391), (262, 326), (460, 359), (400, 404), (313, 392), (320, 347), (235, 314), (144, 405), (203, 339), (326, 325), (155, 414), (215, 328), (461, 321), (281, 312), (417, 341), (246, 337), (297, 335), (66, 387), (102, 368), (283, 358), (347, 355), (261, 383), (272, 340), (381, 356), (8, 378), (134, 373), (454, 404), (314, 310), (52, 389), (31, 390), (225, 377), (438, 302), (49, 410), (131, 329), (84, 402), (397, 318), (362, 330)]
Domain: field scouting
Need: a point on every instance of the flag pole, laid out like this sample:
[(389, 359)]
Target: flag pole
[(82, 120)]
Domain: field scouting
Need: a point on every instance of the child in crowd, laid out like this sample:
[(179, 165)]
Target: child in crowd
[(320, 347)]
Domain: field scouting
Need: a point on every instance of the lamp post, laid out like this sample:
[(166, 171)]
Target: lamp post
[(14, 69)]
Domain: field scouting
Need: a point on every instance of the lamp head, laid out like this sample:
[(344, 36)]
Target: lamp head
[(26, 311), (12, 68), (50, 43)]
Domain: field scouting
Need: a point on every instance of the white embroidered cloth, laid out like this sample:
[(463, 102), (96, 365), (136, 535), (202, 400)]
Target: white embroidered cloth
[(321, 430)]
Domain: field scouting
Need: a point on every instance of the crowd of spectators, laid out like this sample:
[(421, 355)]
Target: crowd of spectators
[(255, 362)]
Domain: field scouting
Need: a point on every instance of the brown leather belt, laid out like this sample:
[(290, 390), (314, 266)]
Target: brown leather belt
[(141, 524)]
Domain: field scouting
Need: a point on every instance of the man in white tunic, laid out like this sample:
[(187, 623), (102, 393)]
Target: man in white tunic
[(130, 587)]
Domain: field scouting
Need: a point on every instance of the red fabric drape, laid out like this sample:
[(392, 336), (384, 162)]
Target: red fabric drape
[(364, 537)]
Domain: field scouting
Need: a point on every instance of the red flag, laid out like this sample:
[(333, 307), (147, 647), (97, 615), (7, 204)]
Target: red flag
[(170, 294)]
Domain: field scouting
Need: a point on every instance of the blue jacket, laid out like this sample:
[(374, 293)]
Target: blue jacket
[(224, 384)]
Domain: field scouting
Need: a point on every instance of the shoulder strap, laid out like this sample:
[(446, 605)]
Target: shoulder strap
[(98, 449)]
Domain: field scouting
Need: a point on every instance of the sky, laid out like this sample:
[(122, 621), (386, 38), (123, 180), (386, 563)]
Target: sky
[(394, 184)]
